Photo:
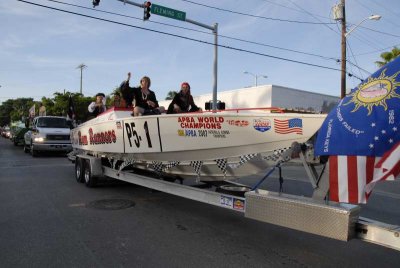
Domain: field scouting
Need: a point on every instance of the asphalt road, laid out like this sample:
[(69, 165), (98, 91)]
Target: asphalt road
[(47, 219)]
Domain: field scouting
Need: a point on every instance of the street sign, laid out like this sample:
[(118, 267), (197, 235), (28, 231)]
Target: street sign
[(168, 12)]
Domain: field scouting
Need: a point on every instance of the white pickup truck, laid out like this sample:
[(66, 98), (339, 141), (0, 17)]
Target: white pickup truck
[(48, 133)]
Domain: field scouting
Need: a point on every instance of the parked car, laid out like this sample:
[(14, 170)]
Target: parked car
[(6, 133), (48, 133), (18, 137)]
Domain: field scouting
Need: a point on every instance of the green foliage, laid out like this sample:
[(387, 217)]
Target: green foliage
[(171, 95), (388, 56), (14, 109)]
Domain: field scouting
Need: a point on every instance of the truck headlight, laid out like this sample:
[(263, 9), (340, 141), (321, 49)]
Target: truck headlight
[(39, 139)]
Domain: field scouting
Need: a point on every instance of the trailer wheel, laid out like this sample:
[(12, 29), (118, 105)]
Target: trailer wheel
[(90, 181), (79, 170)]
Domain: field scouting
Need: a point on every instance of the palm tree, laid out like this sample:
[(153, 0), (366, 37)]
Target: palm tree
[(171, 95), (388, 56)]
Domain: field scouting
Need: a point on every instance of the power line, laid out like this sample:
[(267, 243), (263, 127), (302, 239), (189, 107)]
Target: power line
[(204, 32), (291, 8), (326, 25), (254, 16), (375, 51), (186, 38), (389, 34)]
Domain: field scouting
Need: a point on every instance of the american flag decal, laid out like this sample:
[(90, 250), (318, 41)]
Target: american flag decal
[(287, 126)]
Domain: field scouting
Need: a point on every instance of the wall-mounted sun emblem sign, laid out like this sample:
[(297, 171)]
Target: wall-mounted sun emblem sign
[(375, 92)]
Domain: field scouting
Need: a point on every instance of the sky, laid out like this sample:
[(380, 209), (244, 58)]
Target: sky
[(40, 48)]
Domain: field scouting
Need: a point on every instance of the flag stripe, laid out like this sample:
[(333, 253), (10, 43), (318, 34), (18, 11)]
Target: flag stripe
[(333, 178), (352, 173), (342, 179)]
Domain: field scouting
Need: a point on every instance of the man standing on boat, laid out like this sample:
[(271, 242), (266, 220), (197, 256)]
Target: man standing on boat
[(97, 107)]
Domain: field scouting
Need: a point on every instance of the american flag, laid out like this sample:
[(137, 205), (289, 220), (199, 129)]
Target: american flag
[(348, 177), (294, 125), (32, 111), (352, 178)]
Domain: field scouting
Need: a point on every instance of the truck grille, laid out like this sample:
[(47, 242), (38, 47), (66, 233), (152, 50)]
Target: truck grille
[(57, 137)]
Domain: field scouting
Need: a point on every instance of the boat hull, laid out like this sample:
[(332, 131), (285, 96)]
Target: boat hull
[(216, 142)]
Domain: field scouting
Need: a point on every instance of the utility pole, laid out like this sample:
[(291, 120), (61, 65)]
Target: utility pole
[(81, 66), (343, 73)]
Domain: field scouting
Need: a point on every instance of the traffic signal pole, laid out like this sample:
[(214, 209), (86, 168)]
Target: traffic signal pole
[(214, 29)]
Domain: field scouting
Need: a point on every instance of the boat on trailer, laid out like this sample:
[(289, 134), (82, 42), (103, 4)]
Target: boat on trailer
[(206, 146), (213, 148)]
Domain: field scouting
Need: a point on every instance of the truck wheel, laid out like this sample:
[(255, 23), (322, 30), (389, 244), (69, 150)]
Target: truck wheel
[(79, 170), (26, 149), (90, 181), (34, 152)]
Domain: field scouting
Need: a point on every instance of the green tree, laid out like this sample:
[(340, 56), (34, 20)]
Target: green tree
[(13, 110), (171, 95), (388, 56)]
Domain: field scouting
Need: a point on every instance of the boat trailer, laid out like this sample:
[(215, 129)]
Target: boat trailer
[(313, 215)]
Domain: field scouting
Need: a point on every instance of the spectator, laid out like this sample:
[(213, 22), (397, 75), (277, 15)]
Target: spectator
[(42, 110)]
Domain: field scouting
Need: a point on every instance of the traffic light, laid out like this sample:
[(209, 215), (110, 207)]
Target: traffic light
[(95, 3), (147, 8)]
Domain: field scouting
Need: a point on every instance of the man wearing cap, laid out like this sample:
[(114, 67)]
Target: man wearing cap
[(183, 101), (97, 107)]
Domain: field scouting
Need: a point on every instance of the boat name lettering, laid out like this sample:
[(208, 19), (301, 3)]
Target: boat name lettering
[(107, 136), (82, 139)]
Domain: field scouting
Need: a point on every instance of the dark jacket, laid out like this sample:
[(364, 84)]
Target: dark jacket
[(141, 99), (127, 92), (185, 102), (134, 94)]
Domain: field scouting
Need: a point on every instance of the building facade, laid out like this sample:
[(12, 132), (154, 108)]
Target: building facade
[(288, 99)]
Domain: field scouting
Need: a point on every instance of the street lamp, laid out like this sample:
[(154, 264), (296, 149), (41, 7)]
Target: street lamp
[(81, 66), (344, 42), (372, 17), (256, 76)]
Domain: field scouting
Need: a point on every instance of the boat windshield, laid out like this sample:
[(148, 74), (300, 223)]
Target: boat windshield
[(48, 122)]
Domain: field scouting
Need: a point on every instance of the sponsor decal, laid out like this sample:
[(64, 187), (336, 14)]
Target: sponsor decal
[(294, 125), (201, 122), (118, 124), (238, 123), (238, 204), (203, 133), (262, 125), (226, 201)]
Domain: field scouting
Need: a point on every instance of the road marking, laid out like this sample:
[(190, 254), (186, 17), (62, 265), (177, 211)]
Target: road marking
[(35, 166), (77, 205)]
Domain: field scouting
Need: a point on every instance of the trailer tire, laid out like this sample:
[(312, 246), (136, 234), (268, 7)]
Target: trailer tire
[(79, 170), (90, 180)]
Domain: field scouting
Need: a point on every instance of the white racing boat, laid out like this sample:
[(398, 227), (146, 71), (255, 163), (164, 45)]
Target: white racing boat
[(207, 146)]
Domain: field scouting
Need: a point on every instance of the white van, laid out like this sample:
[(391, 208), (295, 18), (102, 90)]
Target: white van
[(48, 133)]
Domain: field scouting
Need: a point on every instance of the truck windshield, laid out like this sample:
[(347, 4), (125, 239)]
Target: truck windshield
[(52, 122)]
